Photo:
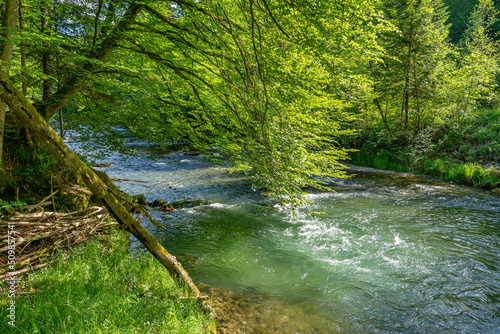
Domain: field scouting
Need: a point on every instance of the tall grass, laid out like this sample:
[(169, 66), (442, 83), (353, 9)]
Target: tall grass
[(468, 173), (105, 291), (472, 174)]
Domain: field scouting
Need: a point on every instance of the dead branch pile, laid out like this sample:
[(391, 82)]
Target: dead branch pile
[(39, 234)]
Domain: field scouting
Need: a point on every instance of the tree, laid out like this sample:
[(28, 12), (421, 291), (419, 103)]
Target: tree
[(405, 83), (262, 81), (9, 21), (473, 78), (235, 72), (459, 13)]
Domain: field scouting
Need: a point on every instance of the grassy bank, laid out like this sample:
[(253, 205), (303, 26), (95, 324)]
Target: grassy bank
[(469, 173), (100, 288), (465, 150)]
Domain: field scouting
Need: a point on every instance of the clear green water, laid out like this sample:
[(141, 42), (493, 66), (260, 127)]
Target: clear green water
[(393, 254)]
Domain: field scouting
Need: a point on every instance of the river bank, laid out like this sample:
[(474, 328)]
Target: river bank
[(465, 150), (468, 174), (99, 287)]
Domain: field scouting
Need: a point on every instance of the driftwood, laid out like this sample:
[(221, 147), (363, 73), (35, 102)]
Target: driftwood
[(128, 180), (37, 234)]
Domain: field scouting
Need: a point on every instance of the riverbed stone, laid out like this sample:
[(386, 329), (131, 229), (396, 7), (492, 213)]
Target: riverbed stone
[(486, 185), (139, 199), (158, 203)]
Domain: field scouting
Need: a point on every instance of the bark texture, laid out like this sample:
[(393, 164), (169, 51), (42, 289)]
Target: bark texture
[(9, 22)]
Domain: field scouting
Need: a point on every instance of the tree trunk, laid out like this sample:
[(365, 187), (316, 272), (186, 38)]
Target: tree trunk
[(24, 75), (80, 78), (406, 102), (47, 83), (9, 22)]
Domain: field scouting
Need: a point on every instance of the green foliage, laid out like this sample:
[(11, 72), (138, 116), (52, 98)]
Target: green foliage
[(98, 290), (275, 87), (41, 167), (471, 173), (10, 205), (269, 91)]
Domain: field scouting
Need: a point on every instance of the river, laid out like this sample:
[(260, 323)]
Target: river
[(393, 253)]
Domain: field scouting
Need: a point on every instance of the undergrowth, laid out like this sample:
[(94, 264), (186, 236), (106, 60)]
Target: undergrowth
[(466, 152)]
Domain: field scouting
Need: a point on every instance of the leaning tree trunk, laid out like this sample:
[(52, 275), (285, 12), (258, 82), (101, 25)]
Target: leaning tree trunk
[(41, 129)]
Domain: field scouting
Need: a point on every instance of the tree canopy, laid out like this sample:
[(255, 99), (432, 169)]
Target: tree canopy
[(271, 84)]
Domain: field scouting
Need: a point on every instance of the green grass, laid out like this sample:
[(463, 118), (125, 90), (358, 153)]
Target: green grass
[(469, 173), (98, 290)]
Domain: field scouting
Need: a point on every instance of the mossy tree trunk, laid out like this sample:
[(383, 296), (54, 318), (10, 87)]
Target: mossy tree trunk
[(9, 21), (39, 127), (23, 109)]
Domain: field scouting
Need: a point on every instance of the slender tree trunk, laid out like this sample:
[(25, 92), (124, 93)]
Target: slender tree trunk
[(376, 100), (47, 83), (24, 75), (110, 17), (96, 22), (417, 96), (9, 22), (406, 103)]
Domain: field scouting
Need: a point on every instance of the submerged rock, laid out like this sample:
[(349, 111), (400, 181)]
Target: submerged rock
[(189, 203), (162, 205), (167, 208), (101, 164), (139, 199), (260, 313), (158, 203)]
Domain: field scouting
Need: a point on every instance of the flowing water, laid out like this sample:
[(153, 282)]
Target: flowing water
[(393, 253)]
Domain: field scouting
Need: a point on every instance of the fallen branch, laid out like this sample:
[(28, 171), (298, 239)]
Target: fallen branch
[(32, 207), (22, 271), (128, 180)]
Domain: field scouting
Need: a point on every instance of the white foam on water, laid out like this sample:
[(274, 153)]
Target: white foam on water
[(221, 205)]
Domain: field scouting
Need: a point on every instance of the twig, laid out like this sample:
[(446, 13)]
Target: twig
[(42, 201), (30, 260), (37, 237)]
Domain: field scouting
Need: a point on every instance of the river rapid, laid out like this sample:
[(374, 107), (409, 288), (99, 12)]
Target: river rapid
[(393, 253)]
